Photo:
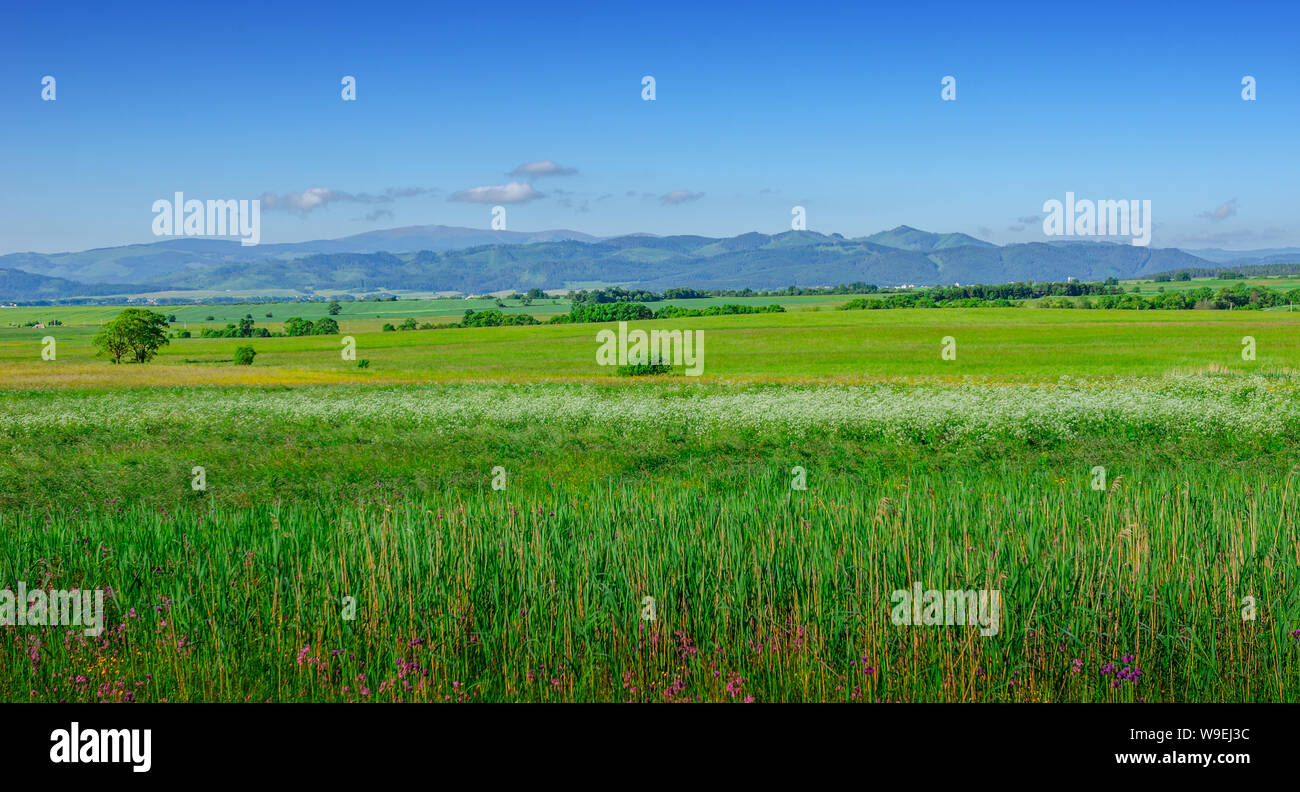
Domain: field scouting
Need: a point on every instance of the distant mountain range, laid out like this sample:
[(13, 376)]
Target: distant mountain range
[(1239, 258), (476, 261)]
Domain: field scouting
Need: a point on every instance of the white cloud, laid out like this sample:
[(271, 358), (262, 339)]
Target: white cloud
[(679, 197), (313, 198), (514, 192), (1224, 211), (305, 201), (536, 170)]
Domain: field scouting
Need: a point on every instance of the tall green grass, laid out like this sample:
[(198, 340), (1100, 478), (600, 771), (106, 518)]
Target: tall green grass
[(535, 592)]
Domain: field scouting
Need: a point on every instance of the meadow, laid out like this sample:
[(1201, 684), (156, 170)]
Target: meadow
[(1012, 345), (195, 317), (1278, 282), (481, 514)]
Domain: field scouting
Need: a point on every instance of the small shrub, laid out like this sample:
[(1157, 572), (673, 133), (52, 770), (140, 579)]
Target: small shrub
[(363, 363), (644, 369), (244, 356)]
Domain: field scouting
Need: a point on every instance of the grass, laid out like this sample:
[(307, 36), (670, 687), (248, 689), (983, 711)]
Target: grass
[(995, 344), (76, 448), (326, 482), (195, 317), (1277, 282), (536, 592)]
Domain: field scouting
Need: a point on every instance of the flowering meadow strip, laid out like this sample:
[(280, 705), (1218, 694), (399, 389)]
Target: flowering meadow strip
[(1175, 406)]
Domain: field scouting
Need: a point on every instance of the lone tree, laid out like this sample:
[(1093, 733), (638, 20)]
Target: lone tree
[(111, 340), (136, 333), (335, 308)]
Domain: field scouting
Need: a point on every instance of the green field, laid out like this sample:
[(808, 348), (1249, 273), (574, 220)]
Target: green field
[(196, 316), (480, 514), (1277, 282), (993, 344)]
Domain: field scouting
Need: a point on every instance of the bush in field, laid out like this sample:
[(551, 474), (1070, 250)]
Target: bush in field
[(363, 363), (325, 326), (244, 356), (644, 369), (489, 318), (244, 329), (388, 328), (136, 333), (495, 319), (1109, 295), (297, 326), (675, 312), (609, 312)]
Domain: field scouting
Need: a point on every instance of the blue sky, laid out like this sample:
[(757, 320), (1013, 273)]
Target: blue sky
[(759, 107)]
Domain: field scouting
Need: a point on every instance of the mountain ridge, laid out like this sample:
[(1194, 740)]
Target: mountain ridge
[(456, 259)]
